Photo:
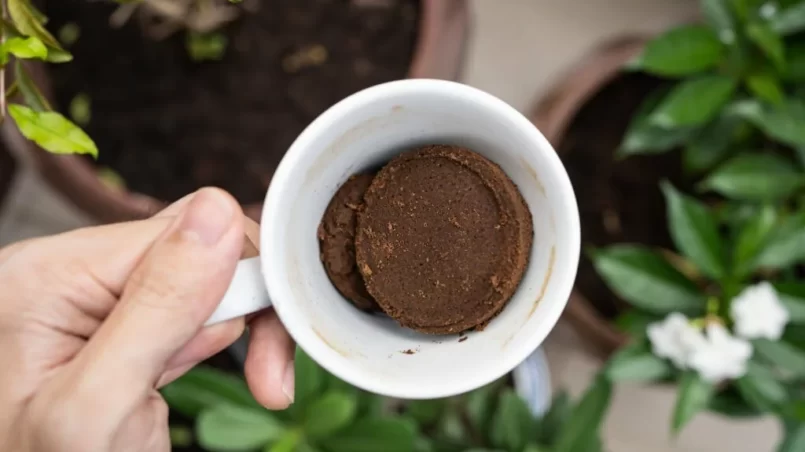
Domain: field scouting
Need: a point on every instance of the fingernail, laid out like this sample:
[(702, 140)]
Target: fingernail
[(288, 382), (208, 216)]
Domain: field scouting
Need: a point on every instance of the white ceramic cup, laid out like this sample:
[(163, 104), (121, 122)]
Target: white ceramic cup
[(365, 131)]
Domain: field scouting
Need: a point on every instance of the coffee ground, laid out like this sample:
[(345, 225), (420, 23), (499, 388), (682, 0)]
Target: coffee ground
[(337, 241), (443, 239)]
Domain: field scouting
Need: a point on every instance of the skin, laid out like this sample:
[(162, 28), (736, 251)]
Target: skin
[(94, 321)]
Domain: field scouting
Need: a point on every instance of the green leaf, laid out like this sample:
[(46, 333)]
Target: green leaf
[(372, 435), (782, 355), (205, 387), (761, 388), (451, 428), (711, 144), (719, 16), (480, 406), (551, 424), (33, 97), (731, 404), (206, 46), (781, 122), (768, 41), (513, 423), (288, 443), (634, 323), (792, 295), (586, 418), (646, 280), (790, 20), (766, 87), (794, 440), (637, 363), (330, 413), (752, 238), (786, 247), (685, 50), (426, 411), (695, 231), (642, 137), (694, 102), (180, 436), (309, 379), (24, 48), (233, 428), (81, 109), (535, 448), (694, 396), (26, 21), (52, 131), (756, 178)]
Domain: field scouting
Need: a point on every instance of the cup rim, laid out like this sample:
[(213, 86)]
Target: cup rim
[(279, 289)]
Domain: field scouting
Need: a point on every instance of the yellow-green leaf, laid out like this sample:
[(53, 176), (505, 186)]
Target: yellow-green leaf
[(768, 41), (25, 48), (27, 21), (52, 131), (766, 87)]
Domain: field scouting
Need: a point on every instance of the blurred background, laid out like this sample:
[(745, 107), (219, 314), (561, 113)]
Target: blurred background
[(547, 58)]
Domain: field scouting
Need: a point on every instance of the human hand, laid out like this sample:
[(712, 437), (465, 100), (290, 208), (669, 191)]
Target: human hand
[(94, 321)]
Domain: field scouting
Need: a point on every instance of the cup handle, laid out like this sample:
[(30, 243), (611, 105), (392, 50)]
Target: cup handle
[(246, 294)]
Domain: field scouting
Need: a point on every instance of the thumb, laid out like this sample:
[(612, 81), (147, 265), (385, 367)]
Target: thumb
[(168, 297)]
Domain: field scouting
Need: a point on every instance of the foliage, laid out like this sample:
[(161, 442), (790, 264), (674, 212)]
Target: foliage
[(736, 110), (23, 36), (329, 415)]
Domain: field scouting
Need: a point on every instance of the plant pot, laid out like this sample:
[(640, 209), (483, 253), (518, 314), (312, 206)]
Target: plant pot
[(588, 97), (437, 53)]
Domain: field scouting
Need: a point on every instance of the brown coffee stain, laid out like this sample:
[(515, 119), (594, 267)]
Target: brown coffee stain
[(533, 173), (551, 261), (330, 344)]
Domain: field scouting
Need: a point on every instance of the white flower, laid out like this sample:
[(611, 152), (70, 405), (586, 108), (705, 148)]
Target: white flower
[(722, 356), (758, 313), (675, 338)]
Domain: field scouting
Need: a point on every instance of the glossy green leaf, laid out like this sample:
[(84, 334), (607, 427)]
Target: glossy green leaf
[(636, 363), (768, 41), (693, 397), (761, 388), (205, 387), (643, 137), (372, 435), (551, 423), (695, 231), (794, 440), (756, 178), (752, 237), (766, 87), (646, 280), (790, 20), (685, 50), (711, 144), (52, 131), (426, 411), (587, 417), (26, 21), (694, 102), (328, 414), (513, 423), (24, 48), (30, 93), (792, 296), (786, 247), (781, 122), (233, 428), (781, 355)]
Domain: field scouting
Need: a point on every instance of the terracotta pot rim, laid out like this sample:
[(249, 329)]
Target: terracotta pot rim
[(434, 56), (553, 116)]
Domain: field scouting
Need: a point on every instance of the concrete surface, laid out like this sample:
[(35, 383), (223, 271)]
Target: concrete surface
[(519, 47)]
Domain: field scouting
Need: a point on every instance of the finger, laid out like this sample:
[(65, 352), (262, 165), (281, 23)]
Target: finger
[(209, 341), (170, 375), (168, 297), (269, 362), (176, 208)]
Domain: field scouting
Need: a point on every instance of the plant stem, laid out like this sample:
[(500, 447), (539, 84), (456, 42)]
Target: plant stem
[(3, 17)]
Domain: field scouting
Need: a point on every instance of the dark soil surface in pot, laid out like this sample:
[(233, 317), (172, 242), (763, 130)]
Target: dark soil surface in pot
[(619, 199), (169, 125)]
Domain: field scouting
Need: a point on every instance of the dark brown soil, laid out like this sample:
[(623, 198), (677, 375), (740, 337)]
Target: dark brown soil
[(443, 239), (619, 200), (169, 125)]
